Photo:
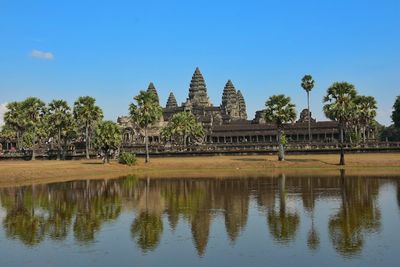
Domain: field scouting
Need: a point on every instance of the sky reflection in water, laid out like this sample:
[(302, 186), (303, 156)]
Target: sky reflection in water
[(212, 222)]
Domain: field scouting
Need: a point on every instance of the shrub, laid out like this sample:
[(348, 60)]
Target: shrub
[(127, 158)]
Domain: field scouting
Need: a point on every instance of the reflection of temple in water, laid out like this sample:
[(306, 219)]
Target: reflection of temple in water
[(53, 211)]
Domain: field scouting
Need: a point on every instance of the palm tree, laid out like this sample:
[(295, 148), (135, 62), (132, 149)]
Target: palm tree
[(33, 110), (107, 138), (87, 114), (59, 118), (308, 84), (185, 126), (366, 108), (339, 102), (13, 120), (280, 110), (145, 112)]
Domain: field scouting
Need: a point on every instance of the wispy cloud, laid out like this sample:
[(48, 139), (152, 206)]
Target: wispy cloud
[(42, 55), (3, 110)]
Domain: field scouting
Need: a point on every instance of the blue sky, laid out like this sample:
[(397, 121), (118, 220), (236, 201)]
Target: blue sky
[(112, 49)]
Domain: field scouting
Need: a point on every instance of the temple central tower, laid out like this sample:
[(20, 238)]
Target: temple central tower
[(198, 90)]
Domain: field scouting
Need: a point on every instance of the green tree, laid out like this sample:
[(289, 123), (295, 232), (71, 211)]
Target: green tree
[(14, 120), (366, 109), (308, 84), (280, 110), (396, 112), (107, 138), (145, 112), (87, 114), (59, 120), (183, 126), (33, 114), (7, 133), (339, 103)]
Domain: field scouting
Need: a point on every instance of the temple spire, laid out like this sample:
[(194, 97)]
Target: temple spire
[(153, 89), (171, 102), (230, 104), (242, 106), (198, 90)]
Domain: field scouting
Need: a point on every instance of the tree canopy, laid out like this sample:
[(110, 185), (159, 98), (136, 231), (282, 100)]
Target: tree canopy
[(107, 138)]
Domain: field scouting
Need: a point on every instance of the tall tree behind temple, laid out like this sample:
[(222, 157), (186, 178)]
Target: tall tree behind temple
[(339, 104), (308, 84), (87, 114), (280, 110), (145, 112)]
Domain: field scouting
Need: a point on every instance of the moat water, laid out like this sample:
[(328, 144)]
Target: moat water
[(279, 221)]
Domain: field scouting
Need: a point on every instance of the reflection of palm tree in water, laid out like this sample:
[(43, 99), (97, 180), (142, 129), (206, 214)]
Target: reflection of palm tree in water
[(147, 227), (146, 230), (313, 236), (357, 216), (21, 221), (283, 225), (398, 193)]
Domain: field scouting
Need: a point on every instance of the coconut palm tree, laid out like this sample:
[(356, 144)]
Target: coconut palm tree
[(145, 112), (59, 119), (280, 110), (366, 109), (339, 103), (308, 84), (87, 114)]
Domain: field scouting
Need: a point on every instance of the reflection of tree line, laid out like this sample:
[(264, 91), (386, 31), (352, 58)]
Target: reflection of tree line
[(53, 210)]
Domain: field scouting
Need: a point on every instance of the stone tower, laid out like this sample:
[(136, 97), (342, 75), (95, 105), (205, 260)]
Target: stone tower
[(171, 102), (242, 106), (230, 100), (198, 90), (152, 89)]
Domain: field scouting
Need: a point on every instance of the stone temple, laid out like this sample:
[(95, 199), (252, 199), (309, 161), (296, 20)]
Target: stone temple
[(227, 123)]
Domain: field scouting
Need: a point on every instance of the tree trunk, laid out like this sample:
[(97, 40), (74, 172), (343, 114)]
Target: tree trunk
[(59, 144), (146, 141), (341, 145), (87, 141), (33, 146), (309, 117), (18, 141), (107, 155), (364, 132), (281, 152)]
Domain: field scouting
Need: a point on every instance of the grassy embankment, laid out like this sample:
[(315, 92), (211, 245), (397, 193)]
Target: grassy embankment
[(25, 172)]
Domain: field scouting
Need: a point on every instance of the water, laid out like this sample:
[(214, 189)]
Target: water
[(279, 221)]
